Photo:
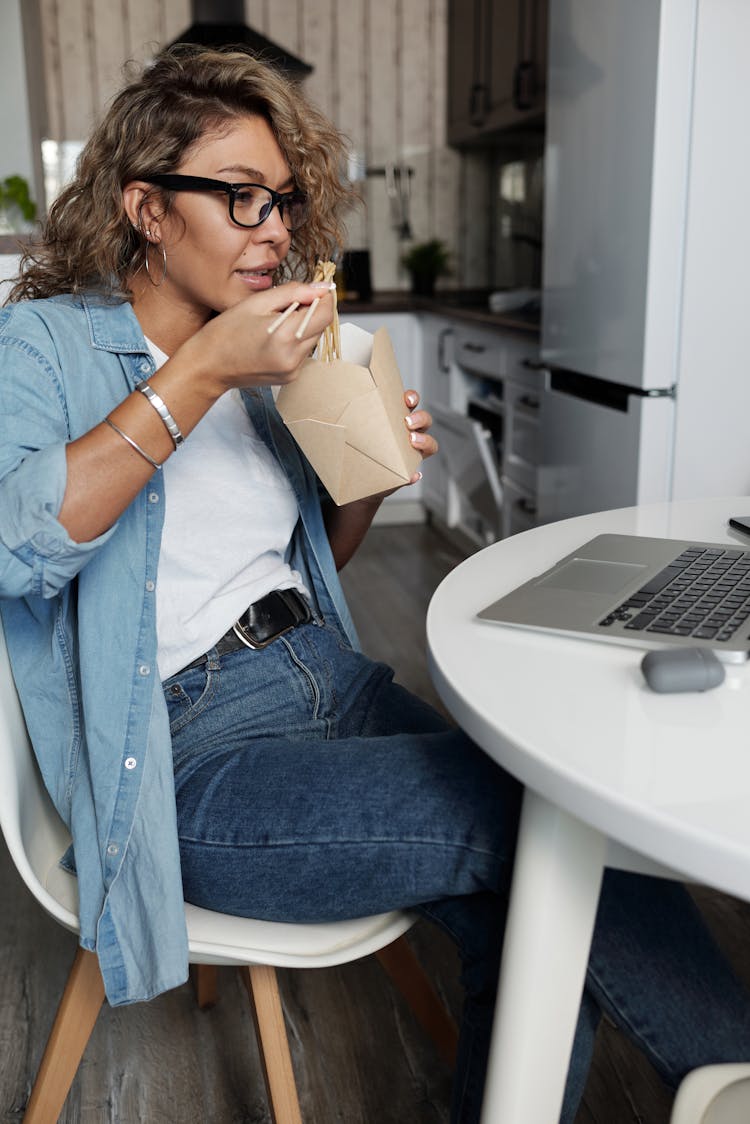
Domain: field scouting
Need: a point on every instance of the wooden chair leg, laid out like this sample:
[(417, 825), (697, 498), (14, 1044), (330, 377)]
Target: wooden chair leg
[(71, 1030), (414, 984), (205, 979), (263, 990)]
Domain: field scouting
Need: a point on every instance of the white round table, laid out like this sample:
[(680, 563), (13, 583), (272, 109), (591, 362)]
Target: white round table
[(615, 775)]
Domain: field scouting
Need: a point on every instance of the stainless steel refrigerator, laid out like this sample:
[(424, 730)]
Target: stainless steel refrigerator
[(645, 299)]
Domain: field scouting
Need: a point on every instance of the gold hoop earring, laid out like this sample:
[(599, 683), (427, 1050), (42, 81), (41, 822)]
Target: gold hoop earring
[(163, 277)]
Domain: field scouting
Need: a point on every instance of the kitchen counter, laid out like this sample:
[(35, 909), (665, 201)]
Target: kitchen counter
[(12, 243), (467, 305), (460, 304)]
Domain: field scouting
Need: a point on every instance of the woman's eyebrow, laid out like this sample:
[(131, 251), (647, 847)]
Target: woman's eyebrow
[(253, 175)]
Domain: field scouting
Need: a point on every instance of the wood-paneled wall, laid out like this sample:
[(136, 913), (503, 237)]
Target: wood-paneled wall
[(379, 73)]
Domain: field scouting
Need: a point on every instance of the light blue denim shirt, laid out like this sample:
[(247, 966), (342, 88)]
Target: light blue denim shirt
[(80, 624)]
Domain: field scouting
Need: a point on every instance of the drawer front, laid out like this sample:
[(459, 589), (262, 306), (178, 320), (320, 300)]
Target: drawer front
[(519, 509), (522, 442), (483, 351), (494, 353)]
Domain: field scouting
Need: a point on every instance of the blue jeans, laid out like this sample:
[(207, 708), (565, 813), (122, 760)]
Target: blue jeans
[(310, 787)]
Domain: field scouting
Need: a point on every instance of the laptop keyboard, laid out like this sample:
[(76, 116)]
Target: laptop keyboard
[(705, 593)]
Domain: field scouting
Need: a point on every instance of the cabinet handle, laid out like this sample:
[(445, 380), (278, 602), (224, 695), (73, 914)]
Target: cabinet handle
[(524, 86), (478, 348), (444, 334), (477, 104), (529, 402), (528, 507)]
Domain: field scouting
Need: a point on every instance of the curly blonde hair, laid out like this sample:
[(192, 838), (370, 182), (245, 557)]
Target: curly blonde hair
[(152, 123)]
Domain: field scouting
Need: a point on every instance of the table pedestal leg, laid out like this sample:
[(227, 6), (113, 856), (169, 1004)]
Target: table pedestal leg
[(555, 892)]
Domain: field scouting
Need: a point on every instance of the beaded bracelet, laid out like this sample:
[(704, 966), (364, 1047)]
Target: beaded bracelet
[(162, 410), (133, 444)]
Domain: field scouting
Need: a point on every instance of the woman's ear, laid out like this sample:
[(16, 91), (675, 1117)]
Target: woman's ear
[(141, 208)]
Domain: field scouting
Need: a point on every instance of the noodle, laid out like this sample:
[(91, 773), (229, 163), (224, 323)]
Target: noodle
[(329, 347)]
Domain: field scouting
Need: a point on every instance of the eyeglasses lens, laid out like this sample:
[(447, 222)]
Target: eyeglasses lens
[(253, 205)]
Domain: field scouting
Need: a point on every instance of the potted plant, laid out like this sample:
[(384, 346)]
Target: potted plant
[(426, 261), (17, 208)]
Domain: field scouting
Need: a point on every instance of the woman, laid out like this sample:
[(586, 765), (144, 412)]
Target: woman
[(248, 759)]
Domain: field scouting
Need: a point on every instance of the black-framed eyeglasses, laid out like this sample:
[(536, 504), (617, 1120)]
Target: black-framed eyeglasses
[(250, 204)]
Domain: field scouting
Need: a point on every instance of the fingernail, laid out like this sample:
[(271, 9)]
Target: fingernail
[(412, 399), (416, 438), (409, 420), (327, 285)]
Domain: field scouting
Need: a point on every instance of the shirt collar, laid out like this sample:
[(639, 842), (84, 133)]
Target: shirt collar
[(113, 326)]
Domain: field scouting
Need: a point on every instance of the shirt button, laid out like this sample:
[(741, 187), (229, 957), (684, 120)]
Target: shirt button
[(153, 497), (130, 762), (113, 849), (145, 366), (150, 586), (144, 669)]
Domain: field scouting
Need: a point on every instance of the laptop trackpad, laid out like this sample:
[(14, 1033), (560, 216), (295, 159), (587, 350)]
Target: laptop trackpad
[(588, 576)]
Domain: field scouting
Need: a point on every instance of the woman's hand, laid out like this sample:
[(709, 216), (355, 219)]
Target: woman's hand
[(236, 348), (347, 525), (418, 423)]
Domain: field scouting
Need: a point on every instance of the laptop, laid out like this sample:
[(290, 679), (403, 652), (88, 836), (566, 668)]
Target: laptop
[(647, 592)]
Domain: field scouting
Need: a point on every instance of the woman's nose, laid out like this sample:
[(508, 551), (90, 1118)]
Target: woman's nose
[(272, 229)]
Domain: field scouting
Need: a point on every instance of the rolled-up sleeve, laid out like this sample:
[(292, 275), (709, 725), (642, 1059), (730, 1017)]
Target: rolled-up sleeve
[(37, 556)]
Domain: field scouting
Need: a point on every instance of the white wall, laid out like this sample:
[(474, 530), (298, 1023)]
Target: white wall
[(379, 73), (8, 269), (15, 125), (713, 395)]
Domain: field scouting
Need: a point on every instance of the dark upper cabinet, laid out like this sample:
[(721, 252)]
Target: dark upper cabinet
[(497, 67)]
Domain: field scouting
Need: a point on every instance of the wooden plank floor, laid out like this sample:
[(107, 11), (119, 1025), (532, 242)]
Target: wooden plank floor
[(358, 1055)]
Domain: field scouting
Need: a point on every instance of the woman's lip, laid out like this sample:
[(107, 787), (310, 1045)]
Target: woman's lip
[(255, 278)]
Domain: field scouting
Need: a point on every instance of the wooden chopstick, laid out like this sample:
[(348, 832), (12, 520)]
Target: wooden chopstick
[(282, 317), (308, 315)]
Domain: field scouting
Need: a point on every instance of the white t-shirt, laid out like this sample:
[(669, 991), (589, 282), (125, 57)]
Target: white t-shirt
[(229, 515)]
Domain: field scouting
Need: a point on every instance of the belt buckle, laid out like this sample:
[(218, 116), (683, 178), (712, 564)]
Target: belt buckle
[(250, 642)]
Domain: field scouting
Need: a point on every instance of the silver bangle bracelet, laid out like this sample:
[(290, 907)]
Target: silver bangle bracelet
[(133, 444), (162, 410)]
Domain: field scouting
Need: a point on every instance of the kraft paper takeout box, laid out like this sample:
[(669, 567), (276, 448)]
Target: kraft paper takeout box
[(347, 416)]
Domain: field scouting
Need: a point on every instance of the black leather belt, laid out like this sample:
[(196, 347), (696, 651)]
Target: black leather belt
[(278, 612)]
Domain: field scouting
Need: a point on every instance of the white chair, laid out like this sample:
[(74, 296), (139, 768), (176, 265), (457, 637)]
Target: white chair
[(36, 838), (714, 1094)]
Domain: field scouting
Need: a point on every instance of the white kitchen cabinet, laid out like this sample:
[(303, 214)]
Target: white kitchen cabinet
[(438, 333), (438, 495), (482, 389)]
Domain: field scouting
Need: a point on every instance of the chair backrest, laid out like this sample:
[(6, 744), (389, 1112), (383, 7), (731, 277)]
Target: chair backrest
[(731, 1105), (36, 838), (714, 1094), (34, 833)]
